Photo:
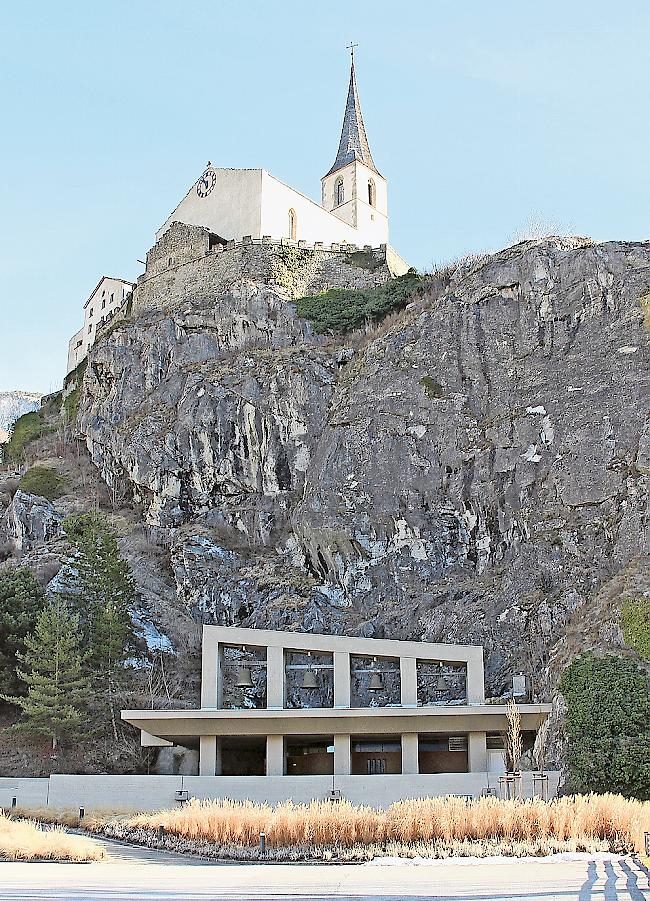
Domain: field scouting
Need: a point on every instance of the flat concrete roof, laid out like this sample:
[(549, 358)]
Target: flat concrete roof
[(181, 726)]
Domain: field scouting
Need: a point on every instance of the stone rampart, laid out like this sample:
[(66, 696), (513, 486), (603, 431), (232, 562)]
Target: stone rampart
[(188, 261)]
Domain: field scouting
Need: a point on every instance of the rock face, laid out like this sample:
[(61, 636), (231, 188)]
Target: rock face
[(476, 471), (31, 521)]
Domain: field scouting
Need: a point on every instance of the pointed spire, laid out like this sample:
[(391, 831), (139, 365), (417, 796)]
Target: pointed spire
[(354, 143)]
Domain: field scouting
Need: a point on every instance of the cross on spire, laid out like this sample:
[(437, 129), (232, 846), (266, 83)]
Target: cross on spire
[(351, 47)]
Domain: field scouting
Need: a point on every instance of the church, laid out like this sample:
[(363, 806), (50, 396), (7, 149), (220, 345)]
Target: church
[(237, 203)]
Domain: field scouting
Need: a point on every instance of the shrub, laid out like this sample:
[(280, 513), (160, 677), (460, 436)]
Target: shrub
[(608, 725), (341, 310), (43, 481), (635, 622)]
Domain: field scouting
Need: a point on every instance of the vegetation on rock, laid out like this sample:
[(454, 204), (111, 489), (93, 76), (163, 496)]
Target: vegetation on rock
[(341, 310), (21, 600), (25, 429), (44, 482), (635, 621), (608, 725)]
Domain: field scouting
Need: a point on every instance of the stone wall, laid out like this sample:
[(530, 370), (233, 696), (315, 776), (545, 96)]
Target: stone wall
[(186, 263)]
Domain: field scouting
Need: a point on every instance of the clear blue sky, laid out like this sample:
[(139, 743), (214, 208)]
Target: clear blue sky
[(480, 114)]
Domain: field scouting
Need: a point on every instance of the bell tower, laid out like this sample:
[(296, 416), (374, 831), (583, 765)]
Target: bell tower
[(353, 190)]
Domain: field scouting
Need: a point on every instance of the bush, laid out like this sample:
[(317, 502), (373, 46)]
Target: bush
[(635, 622), (342, 310), (608, 725), (44, 482)]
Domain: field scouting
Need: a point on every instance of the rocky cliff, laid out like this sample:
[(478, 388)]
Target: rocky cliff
[(12, 405), (475, 469)]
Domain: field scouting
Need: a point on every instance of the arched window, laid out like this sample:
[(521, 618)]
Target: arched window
[(339, 194), (372, 199), (293, 224)]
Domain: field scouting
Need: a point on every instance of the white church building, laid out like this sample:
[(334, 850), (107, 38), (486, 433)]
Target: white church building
[(237, 203)]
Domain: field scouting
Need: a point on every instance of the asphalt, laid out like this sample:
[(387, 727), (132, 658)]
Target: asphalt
[(138, 874)]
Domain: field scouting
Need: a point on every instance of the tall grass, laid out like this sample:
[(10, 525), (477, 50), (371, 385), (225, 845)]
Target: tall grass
[(27, 840), (578, 821)]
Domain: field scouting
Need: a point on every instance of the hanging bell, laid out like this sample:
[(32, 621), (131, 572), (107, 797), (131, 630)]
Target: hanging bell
[(441, 684), (244, 677), (376, 682), (310, 680)]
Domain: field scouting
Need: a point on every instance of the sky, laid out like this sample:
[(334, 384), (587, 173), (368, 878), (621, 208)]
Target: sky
[(485, 117)]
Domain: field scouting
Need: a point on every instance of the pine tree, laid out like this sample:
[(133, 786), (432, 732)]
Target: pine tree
[(106, 593), (58, 692), (21, 599)]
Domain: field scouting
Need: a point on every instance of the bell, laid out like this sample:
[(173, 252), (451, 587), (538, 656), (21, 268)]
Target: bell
[(244, 677), (441, 684), (376, 682), (310, 680)]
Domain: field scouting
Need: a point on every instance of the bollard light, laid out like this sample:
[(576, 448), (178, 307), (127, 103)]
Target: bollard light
[(14, 802), (161, 833), (262, 842), (82, 812)]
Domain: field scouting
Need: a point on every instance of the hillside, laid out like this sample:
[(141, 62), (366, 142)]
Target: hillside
[(473, 468), (12, 405)]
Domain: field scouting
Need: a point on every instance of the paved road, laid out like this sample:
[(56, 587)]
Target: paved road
[(134, 875)]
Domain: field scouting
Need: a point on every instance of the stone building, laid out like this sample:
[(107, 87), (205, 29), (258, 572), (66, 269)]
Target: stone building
[(108, 296), (237, 203)]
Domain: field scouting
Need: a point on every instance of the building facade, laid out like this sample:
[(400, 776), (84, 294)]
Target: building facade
[(107, 298), (278, 705), (238, 203)]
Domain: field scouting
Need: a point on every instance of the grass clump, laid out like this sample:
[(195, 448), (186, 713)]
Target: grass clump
[(27, 840), (44, 482), (439, 826), (342, 310), (432, 388)]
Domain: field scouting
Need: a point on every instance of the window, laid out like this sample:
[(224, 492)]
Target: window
[(90, 312), (339, 193), (103, 303), (112, 297), (293, 224), (90, 328), (376, 766), (372, 198)]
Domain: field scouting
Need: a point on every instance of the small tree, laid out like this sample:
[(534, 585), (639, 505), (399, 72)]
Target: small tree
[(58, 693), (512, 737), (21, 599)]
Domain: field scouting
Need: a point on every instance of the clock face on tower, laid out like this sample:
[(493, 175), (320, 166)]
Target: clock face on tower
[(206, 183)]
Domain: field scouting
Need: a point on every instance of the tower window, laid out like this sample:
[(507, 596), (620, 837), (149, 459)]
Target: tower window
[(372, 197), (293, 224), (339, 193)]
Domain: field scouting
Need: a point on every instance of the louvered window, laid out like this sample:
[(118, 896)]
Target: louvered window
[(457, 743)]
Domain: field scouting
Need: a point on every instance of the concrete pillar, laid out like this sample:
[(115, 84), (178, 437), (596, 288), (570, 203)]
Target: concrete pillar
[(410, 747), (476, 752), (341, 679), (275, 690), (209, 662), (275, 755), (220, 676), (408, 675), (475, 678), (342, 755), (207, 755)]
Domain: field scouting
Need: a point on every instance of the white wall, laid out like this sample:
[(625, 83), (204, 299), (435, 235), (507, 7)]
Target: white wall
[(156, 792), (231, 209), (314, 222), (106, 299), (370, 221)]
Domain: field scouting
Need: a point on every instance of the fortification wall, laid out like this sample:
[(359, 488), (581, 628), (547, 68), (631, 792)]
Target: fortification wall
[(189, 262)]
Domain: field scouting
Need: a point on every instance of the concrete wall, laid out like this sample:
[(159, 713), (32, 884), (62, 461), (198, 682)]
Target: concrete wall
[(155, 792)]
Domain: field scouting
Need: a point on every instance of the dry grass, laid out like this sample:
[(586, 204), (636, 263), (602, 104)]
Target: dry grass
[(579, 822), (27, 840)]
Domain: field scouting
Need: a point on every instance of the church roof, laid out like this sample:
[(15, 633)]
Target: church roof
[(354, 143)]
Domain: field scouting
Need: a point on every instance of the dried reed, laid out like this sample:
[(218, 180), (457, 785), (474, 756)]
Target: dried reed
[(27, 840)]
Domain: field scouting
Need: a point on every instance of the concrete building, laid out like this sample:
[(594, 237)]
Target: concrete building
[(108, 296), (331, 707), (237, 203)]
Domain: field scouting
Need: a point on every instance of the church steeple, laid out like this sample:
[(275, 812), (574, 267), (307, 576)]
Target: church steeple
[(353, 145)]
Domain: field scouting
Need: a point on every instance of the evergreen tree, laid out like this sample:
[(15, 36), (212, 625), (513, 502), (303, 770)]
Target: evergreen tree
[(58, 692), (106, 593), (21, 599)]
